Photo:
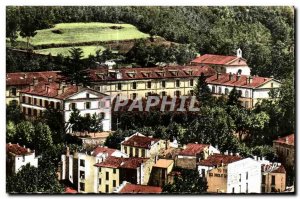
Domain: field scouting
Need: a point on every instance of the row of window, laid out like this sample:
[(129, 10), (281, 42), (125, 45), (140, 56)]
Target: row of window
[(226, 91), (272, 180), (163, 93), (87, 105), (40, 102), (149, 84), (129, 151), (32, 112)]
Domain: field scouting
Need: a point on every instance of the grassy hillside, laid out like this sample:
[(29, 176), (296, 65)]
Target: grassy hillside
[(87, 50), (72, 33)]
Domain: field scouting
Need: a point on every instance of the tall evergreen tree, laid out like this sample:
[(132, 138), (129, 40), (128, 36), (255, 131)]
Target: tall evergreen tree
[(202, 91), (233, 98)]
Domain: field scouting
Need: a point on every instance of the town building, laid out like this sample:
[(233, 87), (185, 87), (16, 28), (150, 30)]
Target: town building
[(78, 168), (15, 82), (141, 82), (18, 156), (285, 149), (65, 97), (127, 187), (160, 171), (193, 153), (273, 178), (252, 89), (114, 170), (139, 145), (224, 64)]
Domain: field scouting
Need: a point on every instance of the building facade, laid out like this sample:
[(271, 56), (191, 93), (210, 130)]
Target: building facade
[(160, 171), (285, 149), (64, 97), (273, 178), (18, 156)]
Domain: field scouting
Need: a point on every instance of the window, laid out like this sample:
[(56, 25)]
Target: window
[(87, 105), (82, 187), (106, 188), (125, 149), (100, 181), (34, 112), (23, 99), (119, 86), (240, 189), (240, 93), (82, 163), (148, 84), (287, 152), (46, 103), (226, 91), (273, 180), (246, 104), (247, 187), (136, 152), (81, 174), (191, 82), (29, 111), (100, 169), (41, 102), (13, 91), (246, 175), (271, 85), (177, 93), (220, 90), (143, 153), (24, 110), (87, 95), (263, 189), (177, 83), (72, 106), (52, 104), (114, 183), (57, 105), (101, 104), (211, 174), (107, 175), (213, 89), (232, 189), (263, 181), (34, 101), (134, 95), (130, 152), (29, 100), (246, 93), (134, 85), (102, 115), (163, 84), (240, 177), (163, 93), (191, 92), (114, 171)]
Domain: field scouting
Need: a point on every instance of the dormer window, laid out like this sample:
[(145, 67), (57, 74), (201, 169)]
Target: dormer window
[(131, 74), (146, 73), (174, 72), (87, 95), (160, 73), (188, 72), (100, 75)]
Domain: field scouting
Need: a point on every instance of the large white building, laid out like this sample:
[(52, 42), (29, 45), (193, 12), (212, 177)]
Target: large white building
[(18, 156), (40, 95)]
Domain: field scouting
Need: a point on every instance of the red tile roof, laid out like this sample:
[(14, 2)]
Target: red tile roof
[(117, 162), (17, 149), (218, 159), (224, 79), (151, 73), (70, 190), (101, 149), (133, 188), (26, 78), (140, 141), (269, 168), (214, 59), (193, 149), (288, 140), (51, 89)]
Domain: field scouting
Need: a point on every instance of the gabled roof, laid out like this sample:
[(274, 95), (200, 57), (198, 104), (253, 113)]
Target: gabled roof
[(51, 89), (288, 140), (134, 188), (26, 78), (193, 149), (219, 159), (101, 149), (102, 74), (215, 59), (16, 149), (140, 141), (117, 162), (243, 81)]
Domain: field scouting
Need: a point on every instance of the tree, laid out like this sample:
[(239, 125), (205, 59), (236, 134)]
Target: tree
[(43, 138), (13, 112), (114, 139), (75, 120), (265, 151), (25, 133), (188, 181), (12, 24), (202, 91), (10, 131), (233, 98), (95, 124)]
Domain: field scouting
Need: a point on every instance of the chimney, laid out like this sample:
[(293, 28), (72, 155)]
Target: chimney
[(35, 81), (28, 150), (50, 79), (263, 158), (255, 157), (238, 76), (239, 53), (9, 143), (218, 74), (67, 151), (231, 154), (25, 75), (64, 88), (24, 146), (250, 79), (230, 76), (47, 89), (286, 140), (196, 142), (237, 154), (226, 152)]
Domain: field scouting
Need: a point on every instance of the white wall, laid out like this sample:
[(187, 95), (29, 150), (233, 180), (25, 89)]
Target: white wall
[(230, 88), (234, 69), (26, 159), (241, 167)]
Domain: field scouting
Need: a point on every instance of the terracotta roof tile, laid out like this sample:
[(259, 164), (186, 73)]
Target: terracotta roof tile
[(140, 141), (163, 163), (102, 74), (218, 159), (214, 59), (117, 162), (288, 140), (17, 149), (193, 149), (224, 79), (26, 78), (70, 190), (133, 188), (101, 149)]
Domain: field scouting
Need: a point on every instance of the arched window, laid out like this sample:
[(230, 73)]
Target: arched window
[(220, 90), (213, 89), (240, 93), (57, 105), (246, 93), (52, 104), (239, 71), (226, 91)]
